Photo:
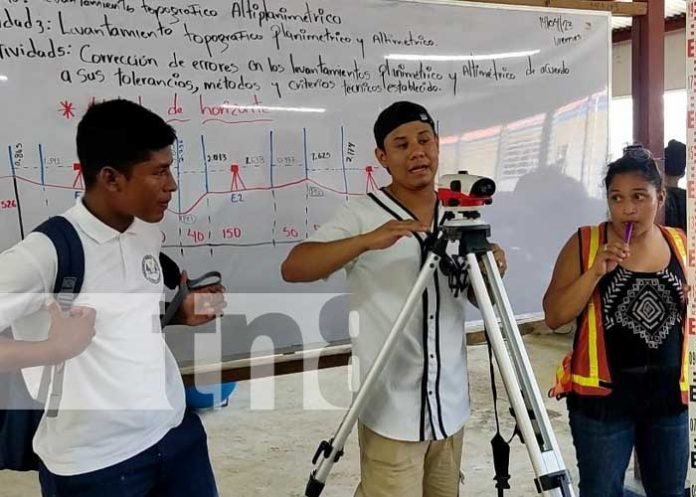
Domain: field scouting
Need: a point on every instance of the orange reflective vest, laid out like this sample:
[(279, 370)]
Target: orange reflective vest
[(585, 370)]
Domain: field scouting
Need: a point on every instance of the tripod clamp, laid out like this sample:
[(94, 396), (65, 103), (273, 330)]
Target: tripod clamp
[(466, 229), (325, 448), (558, 480), (436, 242)]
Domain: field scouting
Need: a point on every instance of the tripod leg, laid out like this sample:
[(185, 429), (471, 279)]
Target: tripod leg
[(551, 477), (512, 335), (331, 451)]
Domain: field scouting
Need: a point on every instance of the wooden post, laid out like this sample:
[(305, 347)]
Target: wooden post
[(648, 80)]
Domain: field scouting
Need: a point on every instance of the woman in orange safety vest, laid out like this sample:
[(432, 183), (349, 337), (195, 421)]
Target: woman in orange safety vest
[(624, 283)]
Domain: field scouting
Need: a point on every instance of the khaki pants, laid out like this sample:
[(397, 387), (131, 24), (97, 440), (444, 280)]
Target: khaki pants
[(392, 468)]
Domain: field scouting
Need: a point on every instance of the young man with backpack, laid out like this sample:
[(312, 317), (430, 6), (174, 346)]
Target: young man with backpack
[(119, 426)]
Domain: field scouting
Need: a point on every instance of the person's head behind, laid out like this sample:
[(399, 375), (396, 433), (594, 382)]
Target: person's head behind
[(407, 145), (675, 159), (634, 189), (125, 156)]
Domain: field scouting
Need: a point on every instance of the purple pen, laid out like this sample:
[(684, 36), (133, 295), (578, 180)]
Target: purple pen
[(628, 232)]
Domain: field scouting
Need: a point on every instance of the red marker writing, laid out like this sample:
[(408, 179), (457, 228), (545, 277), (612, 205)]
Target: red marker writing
[(628, 233)]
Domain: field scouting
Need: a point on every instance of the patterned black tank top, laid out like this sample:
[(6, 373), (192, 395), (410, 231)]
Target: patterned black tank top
[(643, 317)]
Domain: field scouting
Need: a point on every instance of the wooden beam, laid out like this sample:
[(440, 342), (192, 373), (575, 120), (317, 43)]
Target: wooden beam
[(331, 357), (243, 373), (677, 23), (648, 79), (627, 9)]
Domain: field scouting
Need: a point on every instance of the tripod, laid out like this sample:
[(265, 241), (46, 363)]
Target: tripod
[(463, 226)]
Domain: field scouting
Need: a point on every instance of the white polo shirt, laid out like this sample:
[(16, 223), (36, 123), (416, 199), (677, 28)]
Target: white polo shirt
[(423, 393), (124, 393)]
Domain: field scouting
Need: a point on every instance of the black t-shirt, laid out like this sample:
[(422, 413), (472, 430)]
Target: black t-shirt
[(643, 325), (675, 208)]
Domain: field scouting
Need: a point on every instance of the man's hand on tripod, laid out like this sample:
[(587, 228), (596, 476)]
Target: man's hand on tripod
[(499, 256), (501, 262), (389, 233)]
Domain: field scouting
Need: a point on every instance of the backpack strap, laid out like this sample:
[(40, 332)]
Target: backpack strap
[(70, 276), (172, 280), (71, 259)]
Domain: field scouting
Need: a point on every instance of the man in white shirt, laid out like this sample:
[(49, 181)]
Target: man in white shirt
[(121, 427), (411, 429)]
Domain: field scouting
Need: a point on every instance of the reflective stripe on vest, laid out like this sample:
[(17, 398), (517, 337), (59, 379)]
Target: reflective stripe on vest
[(677, 242), (593, 317)]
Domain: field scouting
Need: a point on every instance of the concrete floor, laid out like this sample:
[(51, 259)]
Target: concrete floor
[(262, 443)]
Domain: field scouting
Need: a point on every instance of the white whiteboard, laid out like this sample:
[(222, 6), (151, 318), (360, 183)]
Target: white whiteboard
[(274, 102)]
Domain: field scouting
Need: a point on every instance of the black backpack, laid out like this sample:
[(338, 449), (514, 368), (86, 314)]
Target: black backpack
[(20, 414)]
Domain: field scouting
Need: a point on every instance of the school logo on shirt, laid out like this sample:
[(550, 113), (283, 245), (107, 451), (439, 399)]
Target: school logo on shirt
[(151, 269)]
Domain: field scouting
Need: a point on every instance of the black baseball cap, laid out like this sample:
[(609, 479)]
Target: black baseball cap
[(397, 114)]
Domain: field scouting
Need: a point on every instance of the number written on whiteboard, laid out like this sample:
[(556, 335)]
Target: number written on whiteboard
[(187, 219), (232, 233), (350, 152), (217, 157), (18, 155), (321, 155), (290, 232), (196, 235)]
